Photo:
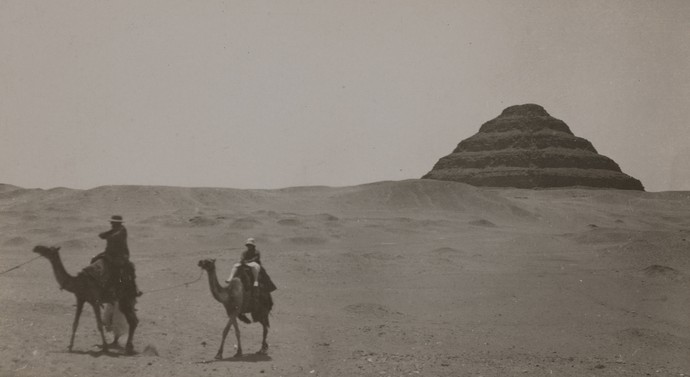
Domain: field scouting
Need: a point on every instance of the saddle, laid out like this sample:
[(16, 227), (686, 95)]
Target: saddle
[(247, 277), (98, 271), (259, 299), (116, 279)]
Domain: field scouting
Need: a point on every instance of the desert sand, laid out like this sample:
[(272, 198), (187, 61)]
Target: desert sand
[(409, 278)]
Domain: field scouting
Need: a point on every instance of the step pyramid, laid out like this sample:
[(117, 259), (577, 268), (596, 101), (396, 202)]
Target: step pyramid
[(525, 147)]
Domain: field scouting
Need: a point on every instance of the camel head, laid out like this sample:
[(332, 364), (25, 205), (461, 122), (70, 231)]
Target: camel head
[(207, 264), (47, 252)]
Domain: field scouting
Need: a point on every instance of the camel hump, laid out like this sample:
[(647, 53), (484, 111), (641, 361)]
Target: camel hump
[(235, 286)]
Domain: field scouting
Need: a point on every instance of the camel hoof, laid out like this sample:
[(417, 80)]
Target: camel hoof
[(238, 354), (219, 356), (129, 350)]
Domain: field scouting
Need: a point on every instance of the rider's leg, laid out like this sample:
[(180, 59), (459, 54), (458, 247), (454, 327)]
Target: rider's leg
[(256, 268), (232, 272), (131, 278)]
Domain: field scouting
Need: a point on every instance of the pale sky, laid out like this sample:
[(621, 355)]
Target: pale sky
[(270, 94)]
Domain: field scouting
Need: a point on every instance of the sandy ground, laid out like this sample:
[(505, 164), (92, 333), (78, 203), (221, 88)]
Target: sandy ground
[(412, 278)]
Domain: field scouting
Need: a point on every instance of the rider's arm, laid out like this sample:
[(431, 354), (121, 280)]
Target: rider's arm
[(106, 235), (113, 234), (254, 258)]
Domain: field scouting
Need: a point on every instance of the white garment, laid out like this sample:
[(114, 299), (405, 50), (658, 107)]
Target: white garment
[(114, 321)]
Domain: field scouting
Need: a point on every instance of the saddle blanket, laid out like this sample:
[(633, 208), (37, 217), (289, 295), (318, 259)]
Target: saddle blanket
[(98, 271)]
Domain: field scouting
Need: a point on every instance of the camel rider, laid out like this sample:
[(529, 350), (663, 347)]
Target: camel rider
[(116, 240), (116, 255), (251, 258)]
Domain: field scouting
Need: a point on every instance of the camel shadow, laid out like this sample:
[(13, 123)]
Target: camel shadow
[(113, 351), (250, 358), (94, 354)]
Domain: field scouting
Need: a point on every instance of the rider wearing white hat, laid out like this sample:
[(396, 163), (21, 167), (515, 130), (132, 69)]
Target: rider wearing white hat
[(250, 257)]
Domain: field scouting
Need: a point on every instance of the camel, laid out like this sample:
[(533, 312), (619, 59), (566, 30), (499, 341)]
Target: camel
[(88, 290), (232, 297)]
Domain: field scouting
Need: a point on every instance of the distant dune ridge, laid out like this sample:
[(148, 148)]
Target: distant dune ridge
[(410, 194), (525, 147), (415, 277)]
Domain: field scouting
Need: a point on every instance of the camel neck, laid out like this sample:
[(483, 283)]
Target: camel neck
[(64, 279), (216, 289)]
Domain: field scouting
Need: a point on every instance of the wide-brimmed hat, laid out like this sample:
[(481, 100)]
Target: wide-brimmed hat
[(250, 241), (116, 219)]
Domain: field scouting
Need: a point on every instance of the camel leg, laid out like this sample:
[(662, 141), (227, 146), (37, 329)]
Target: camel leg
[(219, 355), (75, 324), (264, 344), (237, 335), (99, 323), (127, 308)]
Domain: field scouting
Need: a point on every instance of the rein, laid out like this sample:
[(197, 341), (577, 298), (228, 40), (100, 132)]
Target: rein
[(16, 267), (179, 285)]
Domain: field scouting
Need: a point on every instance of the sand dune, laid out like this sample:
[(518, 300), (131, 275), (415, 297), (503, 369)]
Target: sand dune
[(416, 277), (404, 195)]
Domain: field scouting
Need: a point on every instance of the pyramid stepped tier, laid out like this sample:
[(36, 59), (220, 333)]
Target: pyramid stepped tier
[(525, 147)]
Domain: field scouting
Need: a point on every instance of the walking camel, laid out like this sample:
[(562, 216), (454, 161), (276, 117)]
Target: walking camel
[(232, 297), (86, 289)]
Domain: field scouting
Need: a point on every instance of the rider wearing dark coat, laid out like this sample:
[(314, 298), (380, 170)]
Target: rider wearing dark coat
[(116, 255), (116, 249)]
